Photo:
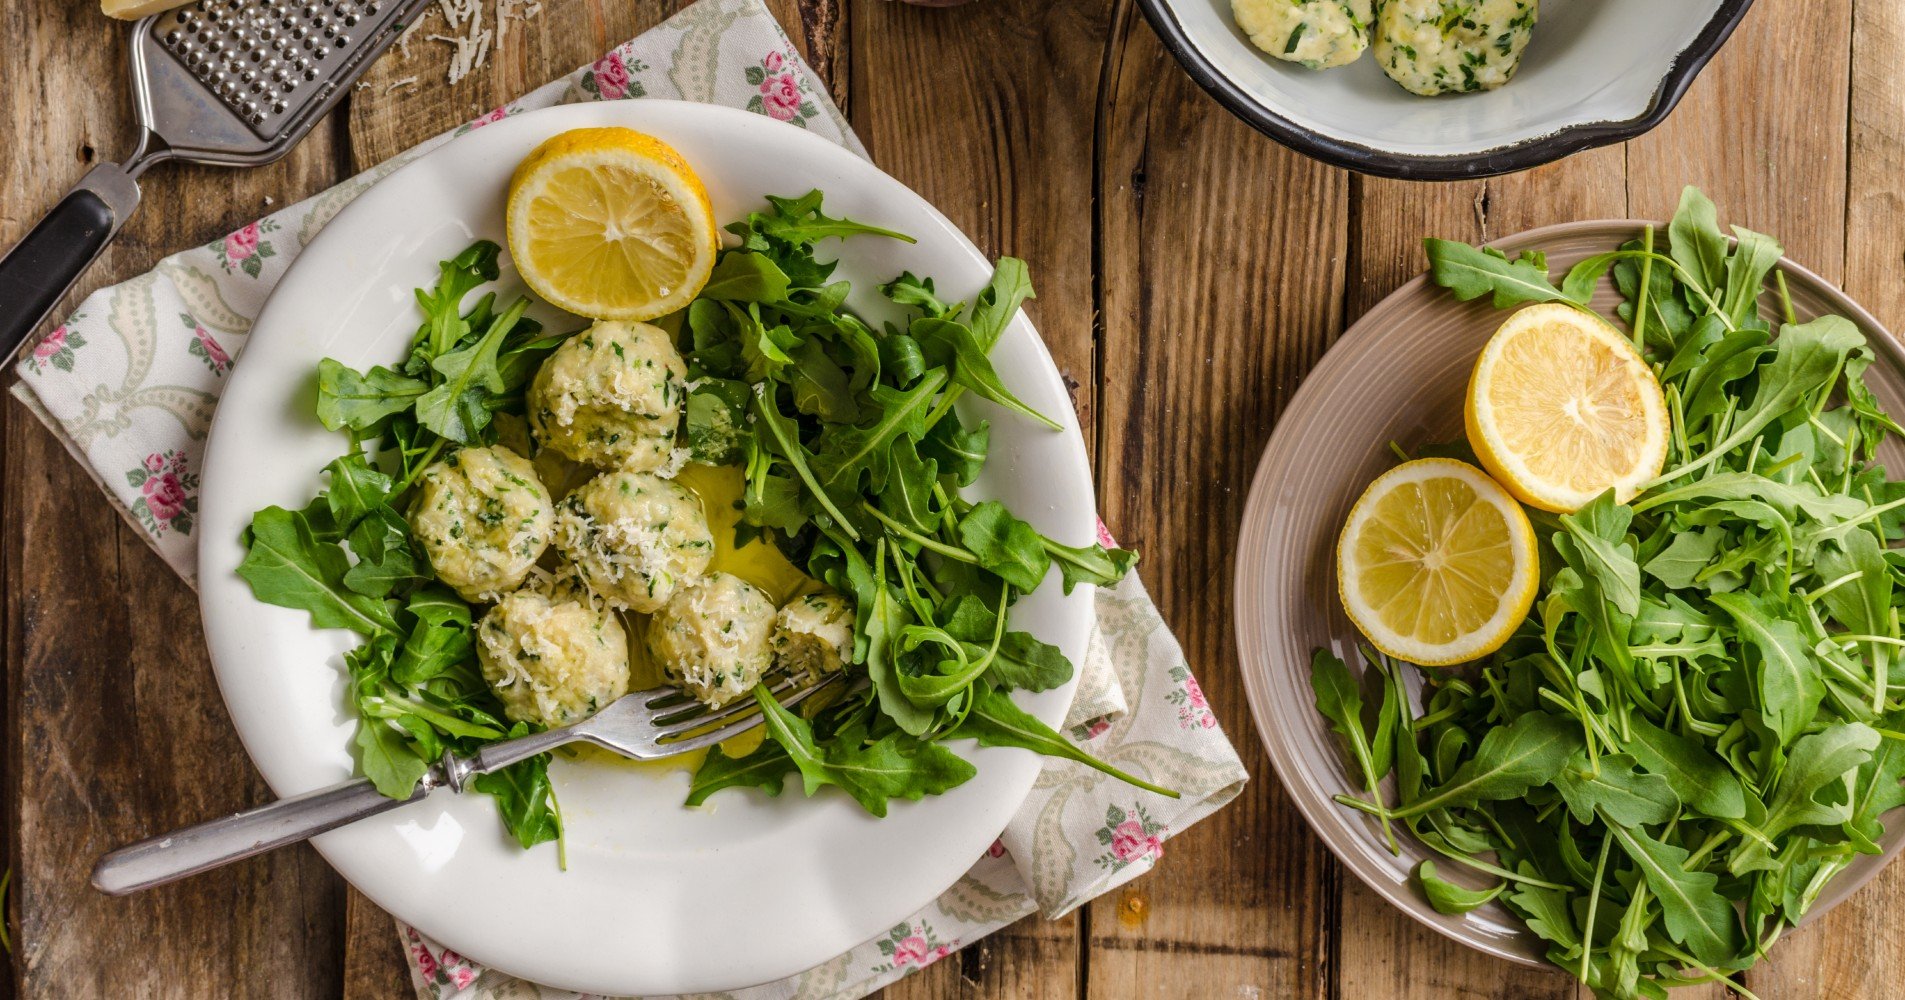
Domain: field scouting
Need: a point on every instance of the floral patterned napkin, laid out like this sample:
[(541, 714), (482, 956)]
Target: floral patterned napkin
[(128, 384)]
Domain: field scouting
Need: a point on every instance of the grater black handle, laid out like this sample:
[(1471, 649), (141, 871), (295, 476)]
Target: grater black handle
[(37, 272)]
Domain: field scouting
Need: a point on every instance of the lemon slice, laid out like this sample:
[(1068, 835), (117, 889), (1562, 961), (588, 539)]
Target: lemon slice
[(1561, 407), (1437, 563), (610, 223)]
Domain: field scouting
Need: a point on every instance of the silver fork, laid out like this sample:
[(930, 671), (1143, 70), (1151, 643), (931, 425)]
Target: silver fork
[(644, 725)]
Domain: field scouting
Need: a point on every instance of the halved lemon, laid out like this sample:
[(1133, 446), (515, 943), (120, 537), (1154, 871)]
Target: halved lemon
[(610, 223), (1436, 564), (1561, 407)]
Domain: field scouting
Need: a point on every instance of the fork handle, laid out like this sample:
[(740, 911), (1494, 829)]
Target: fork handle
[(173, 856), (37, 272)]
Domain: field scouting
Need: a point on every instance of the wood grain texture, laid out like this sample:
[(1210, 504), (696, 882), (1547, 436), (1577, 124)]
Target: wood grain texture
[(1222, 282), (1190, 273), (115, 730)]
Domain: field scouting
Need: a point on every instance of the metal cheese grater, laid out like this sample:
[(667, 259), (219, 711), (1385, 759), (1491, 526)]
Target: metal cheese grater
[(234, 82)]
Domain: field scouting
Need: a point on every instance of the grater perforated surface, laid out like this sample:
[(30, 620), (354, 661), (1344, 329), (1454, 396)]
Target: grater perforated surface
[(267, 59)]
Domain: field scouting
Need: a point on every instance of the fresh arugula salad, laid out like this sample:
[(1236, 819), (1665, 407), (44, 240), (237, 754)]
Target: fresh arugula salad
[(1701, 722), (515, 530)]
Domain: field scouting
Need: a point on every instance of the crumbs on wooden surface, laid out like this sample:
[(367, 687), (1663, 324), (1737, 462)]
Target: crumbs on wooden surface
[(1133, 907)]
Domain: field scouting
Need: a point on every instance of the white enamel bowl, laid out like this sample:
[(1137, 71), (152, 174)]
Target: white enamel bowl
[(1595, 72)]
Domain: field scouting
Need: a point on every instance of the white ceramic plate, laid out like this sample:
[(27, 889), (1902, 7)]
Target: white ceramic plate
[(658, 899), (1595, 72)]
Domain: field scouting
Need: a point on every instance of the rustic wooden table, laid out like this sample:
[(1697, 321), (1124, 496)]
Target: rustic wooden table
[(1190, 271)]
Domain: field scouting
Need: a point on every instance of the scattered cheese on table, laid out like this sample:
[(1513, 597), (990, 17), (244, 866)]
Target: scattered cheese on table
[(132, 10)]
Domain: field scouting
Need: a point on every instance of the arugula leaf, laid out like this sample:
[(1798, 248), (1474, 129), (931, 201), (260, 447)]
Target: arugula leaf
[(360, 403), (800, 221), (1006, 546), (1452, 899), (456, 406), (894, 767), (440, 638), (1340, 702), (1472, 272), (288, 566), (1614, 787), (1010, 287), (1024, 662), (355, 490), (385, 558), (1788, 677), (1696, 241), (765, 768), (743, 276), (1598, 530), (1693, 773), (959, 451), (996, 722), (1093, 564), (1512, 759), (957, 347), (917, 293), (1696, 914), (525, 798)]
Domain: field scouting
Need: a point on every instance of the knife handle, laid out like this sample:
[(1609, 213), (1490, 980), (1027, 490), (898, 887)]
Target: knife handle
[(37, 272)]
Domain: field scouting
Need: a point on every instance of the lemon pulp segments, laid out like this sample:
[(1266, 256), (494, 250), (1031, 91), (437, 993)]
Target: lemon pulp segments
[(609, 229), (1561, 408), (1437, 563), (611, 224)]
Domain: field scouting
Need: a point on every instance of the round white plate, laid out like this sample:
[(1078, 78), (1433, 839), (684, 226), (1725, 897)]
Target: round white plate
[(657, 898)]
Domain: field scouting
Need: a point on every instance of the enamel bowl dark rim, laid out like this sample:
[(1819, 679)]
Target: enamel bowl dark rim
[(1490, 163)]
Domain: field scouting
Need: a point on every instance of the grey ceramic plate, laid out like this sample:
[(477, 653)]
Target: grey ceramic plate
[(1398, 375)]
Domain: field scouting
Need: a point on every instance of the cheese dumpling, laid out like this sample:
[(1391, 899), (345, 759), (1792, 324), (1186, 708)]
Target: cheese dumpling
[(1452, 46), (483, 519), (633, 538), (611, 397), (552, 662), (814, 633), (714, 638), (1317, 33)]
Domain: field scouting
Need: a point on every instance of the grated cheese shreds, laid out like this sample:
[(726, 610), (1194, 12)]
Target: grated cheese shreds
[(470, 39)]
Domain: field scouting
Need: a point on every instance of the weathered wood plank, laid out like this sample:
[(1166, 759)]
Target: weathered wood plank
[(1222, 283), (987, 111), (115, 726), (1763, 132)]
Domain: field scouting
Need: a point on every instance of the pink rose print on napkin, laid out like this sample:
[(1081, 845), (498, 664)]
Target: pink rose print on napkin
[(168, 494), (490, 117), (1193, 711), (1091, 730), (782, 96), (1130, 836), (246, 250), (911, 947), (55, 350), (205, 348), (612, 78), (445, 969)]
